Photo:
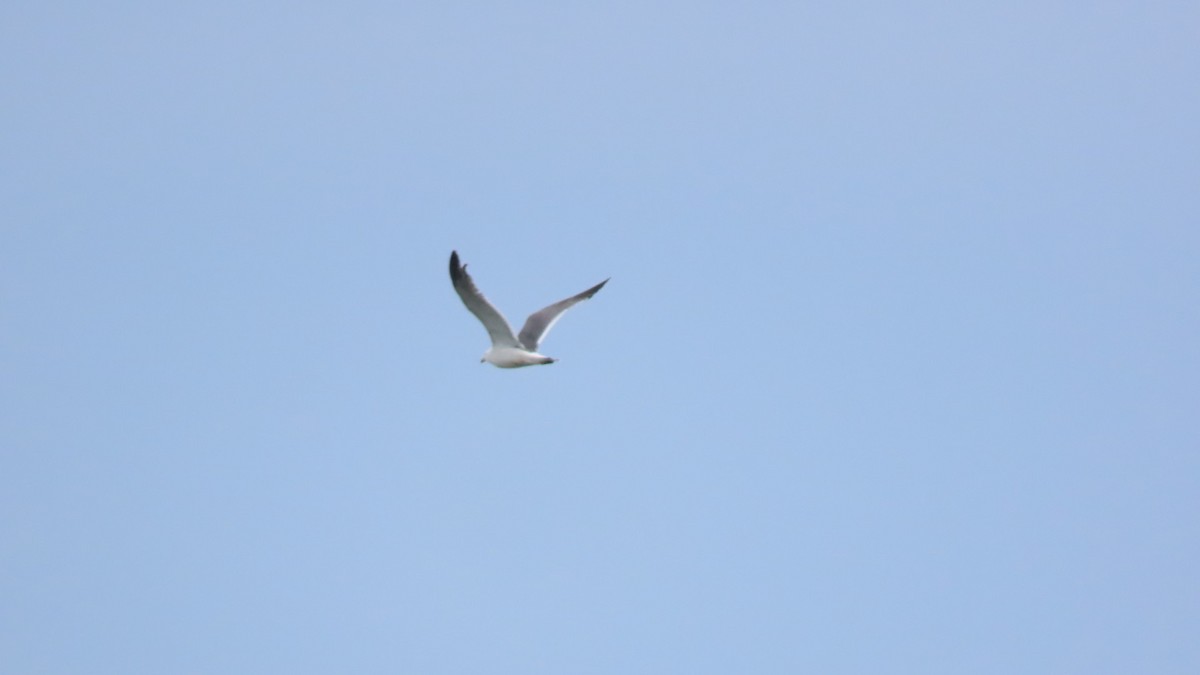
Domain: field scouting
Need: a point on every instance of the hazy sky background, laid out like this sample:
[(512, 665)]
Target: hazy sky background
[(897, 371)]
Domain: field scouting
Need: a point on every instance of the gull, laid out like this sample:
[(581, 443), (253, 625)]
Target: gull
[(508, 350)]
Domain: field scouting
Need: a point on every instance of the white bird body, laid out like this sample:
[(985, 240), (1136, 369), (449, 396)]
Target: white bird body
[(509, 350), (514, 357)]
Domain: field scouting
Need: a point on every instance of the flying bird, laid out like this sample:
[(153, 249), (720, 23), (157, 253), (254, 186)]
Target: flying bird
[(508, 350)]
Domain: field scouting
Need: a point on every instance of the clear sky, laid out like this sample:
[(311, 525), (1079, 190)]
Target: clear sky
[(898, 370)]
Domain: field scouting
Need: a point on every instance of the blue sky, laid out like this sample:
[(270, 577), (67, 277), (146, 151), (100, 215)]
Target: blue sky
[(897, 370)]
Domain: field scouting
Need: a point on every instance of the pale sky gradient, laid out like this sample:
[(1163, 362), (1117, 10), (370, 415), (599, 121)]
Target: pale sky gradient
[(898, 370)]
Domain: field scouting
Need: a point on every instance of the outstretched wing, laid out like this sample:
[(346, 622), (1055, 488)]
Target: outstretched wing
[(497, 328), (540, 322)]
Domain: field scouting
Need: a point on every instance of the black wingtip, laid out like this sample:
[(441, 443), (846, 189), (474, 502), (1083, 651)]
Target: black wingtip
[(596, 289), (456, 269)]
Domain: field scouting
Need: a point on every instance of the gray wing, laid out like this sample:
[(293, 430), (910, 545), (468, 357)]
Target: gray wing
[(540, 322), (497, 328)]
